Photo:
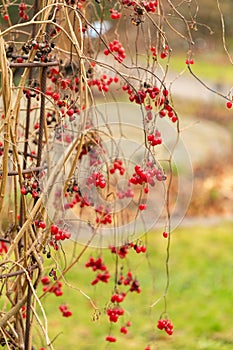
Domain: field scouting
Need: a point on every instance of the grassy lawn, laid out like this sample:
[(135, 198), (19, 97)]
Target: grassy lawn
[(215, 68), (200, 297)]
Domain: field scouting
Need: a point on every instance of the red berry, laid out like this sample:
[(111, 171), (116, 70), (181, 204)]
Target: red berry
[(124, 330), (22, 6), (23, 190), (143, 249), (165, 234), (56, 96), (67, 313), (19, 59), (42, 224), (45, 280), (53, 229), (142, 206), (25, 17), (70, 112), (5, 17), (110, 339), (229, 104)]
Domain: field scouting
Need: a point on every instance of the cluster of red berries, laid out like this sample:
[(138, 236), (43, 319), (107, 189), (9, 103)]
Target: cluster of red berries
[(189, 61), (101, 277), (153, 92), (114, 14), (54, 76), (153, 50), (59, 234), (137, 97), (65, 311), (139, 177), (117, 165), (135, 286), (155, 138), (146, 176), (163, 54), (97, 179), (123, 250), (30, 185), (150, 6), (124, 329), (166, 325), (22, 13), (104, 219), (114, 313), (103, 215), (98, 265), (103, 83), (139, 248), (40, 224), (81, 199), (165, 51), (116, 47), (3, 247), (142, 94), (118, 297), (125, 194), (129, 281), (56, 288)]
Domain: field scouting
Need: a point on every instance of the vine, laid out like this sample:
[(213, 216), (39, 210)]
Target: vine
[(85, 101)]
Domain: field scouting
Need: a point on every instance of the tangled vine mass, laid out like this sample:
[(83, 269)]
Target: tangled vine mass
[(72, 73)]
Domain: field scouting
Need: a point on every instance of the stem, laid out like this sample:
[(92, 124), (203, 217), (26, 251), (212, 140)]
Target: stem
[(42, 115)]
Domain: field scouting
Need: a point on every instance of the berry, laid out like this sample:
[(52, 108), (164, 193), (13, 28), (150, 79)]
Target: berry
[(19, 59), (142, 206), (165, 234), (116, 47), (42, 224), (64, 310), (45, 280), (110, 339), (23, 190), (189, 61), (123, 330), (22, 6), (229, 104), (166, 325)]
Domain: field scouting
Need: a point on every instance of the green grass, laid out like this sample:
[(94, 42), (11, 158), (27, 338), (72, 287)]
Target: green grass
[(199, 299), (215, 68)]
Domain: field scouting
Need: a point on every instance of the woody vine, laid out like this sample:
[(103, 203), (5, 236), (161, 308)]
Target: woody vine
[(61, 164)]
